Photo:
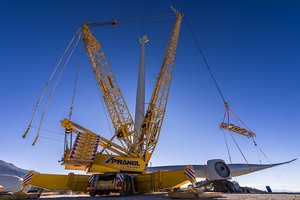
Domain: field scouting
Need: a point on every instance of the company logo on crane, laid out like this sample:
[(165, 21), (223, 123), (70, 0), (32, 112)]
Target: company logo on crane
[(113, 160)]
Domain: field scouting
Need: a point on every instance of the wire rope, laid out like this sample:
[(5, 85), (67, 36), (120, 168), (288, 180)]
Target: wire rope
[(48, 82), (48, 130), (227, 109), (72, 100), (240, 150), (52, 139), (53, 89), (204, 59), (227, 147)]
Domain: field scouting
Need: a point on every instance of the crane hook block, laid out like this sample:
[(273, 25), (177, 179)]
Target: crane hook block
[(67, 125), (236, 129)]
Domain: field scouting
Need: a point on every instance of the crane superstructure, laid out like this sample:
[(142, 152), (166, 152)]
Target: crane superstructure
[(134, 150)]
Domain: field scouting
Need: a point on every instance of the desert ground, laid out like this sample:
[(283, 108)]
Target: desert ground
[(163, 196)]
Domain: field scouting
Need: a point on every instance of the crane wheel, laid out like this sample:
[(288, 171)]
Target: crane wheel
[(92, 193)]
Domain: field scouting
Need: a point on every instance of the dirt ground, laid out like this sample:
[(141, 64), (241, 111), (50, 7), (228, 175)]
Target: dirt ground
[(164, 196)]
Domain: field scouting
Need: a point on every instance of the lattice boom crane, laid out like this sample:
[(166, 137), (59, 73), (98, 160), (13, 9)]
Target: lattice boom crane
[(138, 152), (133, 151)]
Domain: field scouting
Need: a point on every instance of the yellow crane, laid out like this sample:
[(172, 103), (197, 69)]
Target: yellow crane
[(129, 157)]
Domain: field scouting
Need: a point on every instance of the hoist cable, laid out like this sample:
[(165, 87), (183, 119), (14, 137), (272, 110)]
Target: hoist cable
[(239, 119), (227, 147), (264, 155), (277, 176), (204, 59), (105, 110), (48, 81), (146, 18), (137, 22), (256, 148), (262, 152), (74, 90), (106, 117), (239, 149), (226, 115), (218, 88), (211, 74), (257, 152), (131, 20), (54, 87), (48, 138), (72, 101), (228, 110), (50, 131)]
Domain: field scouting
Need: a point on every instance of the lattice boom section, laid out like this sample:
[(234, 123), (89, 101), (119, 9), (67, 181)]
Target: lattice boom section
[(85, 147), (158, 103), (115, 103)]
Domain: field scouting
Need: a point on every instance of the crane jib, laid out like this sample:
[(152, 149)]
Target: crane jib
[(152, 123)]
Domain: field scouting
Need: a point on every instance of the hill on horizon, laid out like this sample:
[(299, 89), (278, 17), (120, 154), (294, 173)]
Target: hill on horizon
[(11, 169)]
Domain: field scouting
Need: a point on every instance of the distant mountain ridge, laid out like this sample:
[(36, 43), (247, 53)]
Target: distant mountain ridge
[(11, 169)]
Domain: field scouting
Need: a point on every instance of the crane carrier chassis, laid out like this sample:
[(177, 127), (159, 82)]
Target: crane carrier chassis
[(104, 184)]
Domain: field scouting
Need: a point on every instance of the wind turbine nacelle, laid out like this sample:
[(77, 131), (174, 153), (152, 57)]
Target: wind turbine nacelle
[(216, 169)]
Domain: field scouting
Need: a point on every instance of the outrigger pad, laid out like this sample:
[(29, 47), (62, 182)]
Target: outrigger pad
[(236, 129), (85, 147)]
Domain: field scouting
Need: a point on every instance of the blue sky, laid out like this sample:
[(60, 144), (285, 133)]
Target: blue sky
[(252, 47)]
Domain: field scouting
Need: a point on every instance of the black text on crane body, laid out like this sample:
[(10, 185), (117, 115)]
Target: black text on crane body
[(121, 161)]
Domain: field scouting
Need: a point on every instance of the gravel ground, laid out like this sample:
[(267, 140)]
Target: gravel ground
[(164, 196)]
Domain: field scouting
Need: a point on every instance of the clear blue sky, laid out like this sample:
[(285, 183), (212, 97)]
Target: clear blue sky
[(252, 46)]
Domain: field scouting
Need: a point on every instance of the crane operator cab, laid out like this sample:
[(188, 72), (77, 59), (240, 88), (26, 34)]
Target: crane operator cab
[(104, 184)]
